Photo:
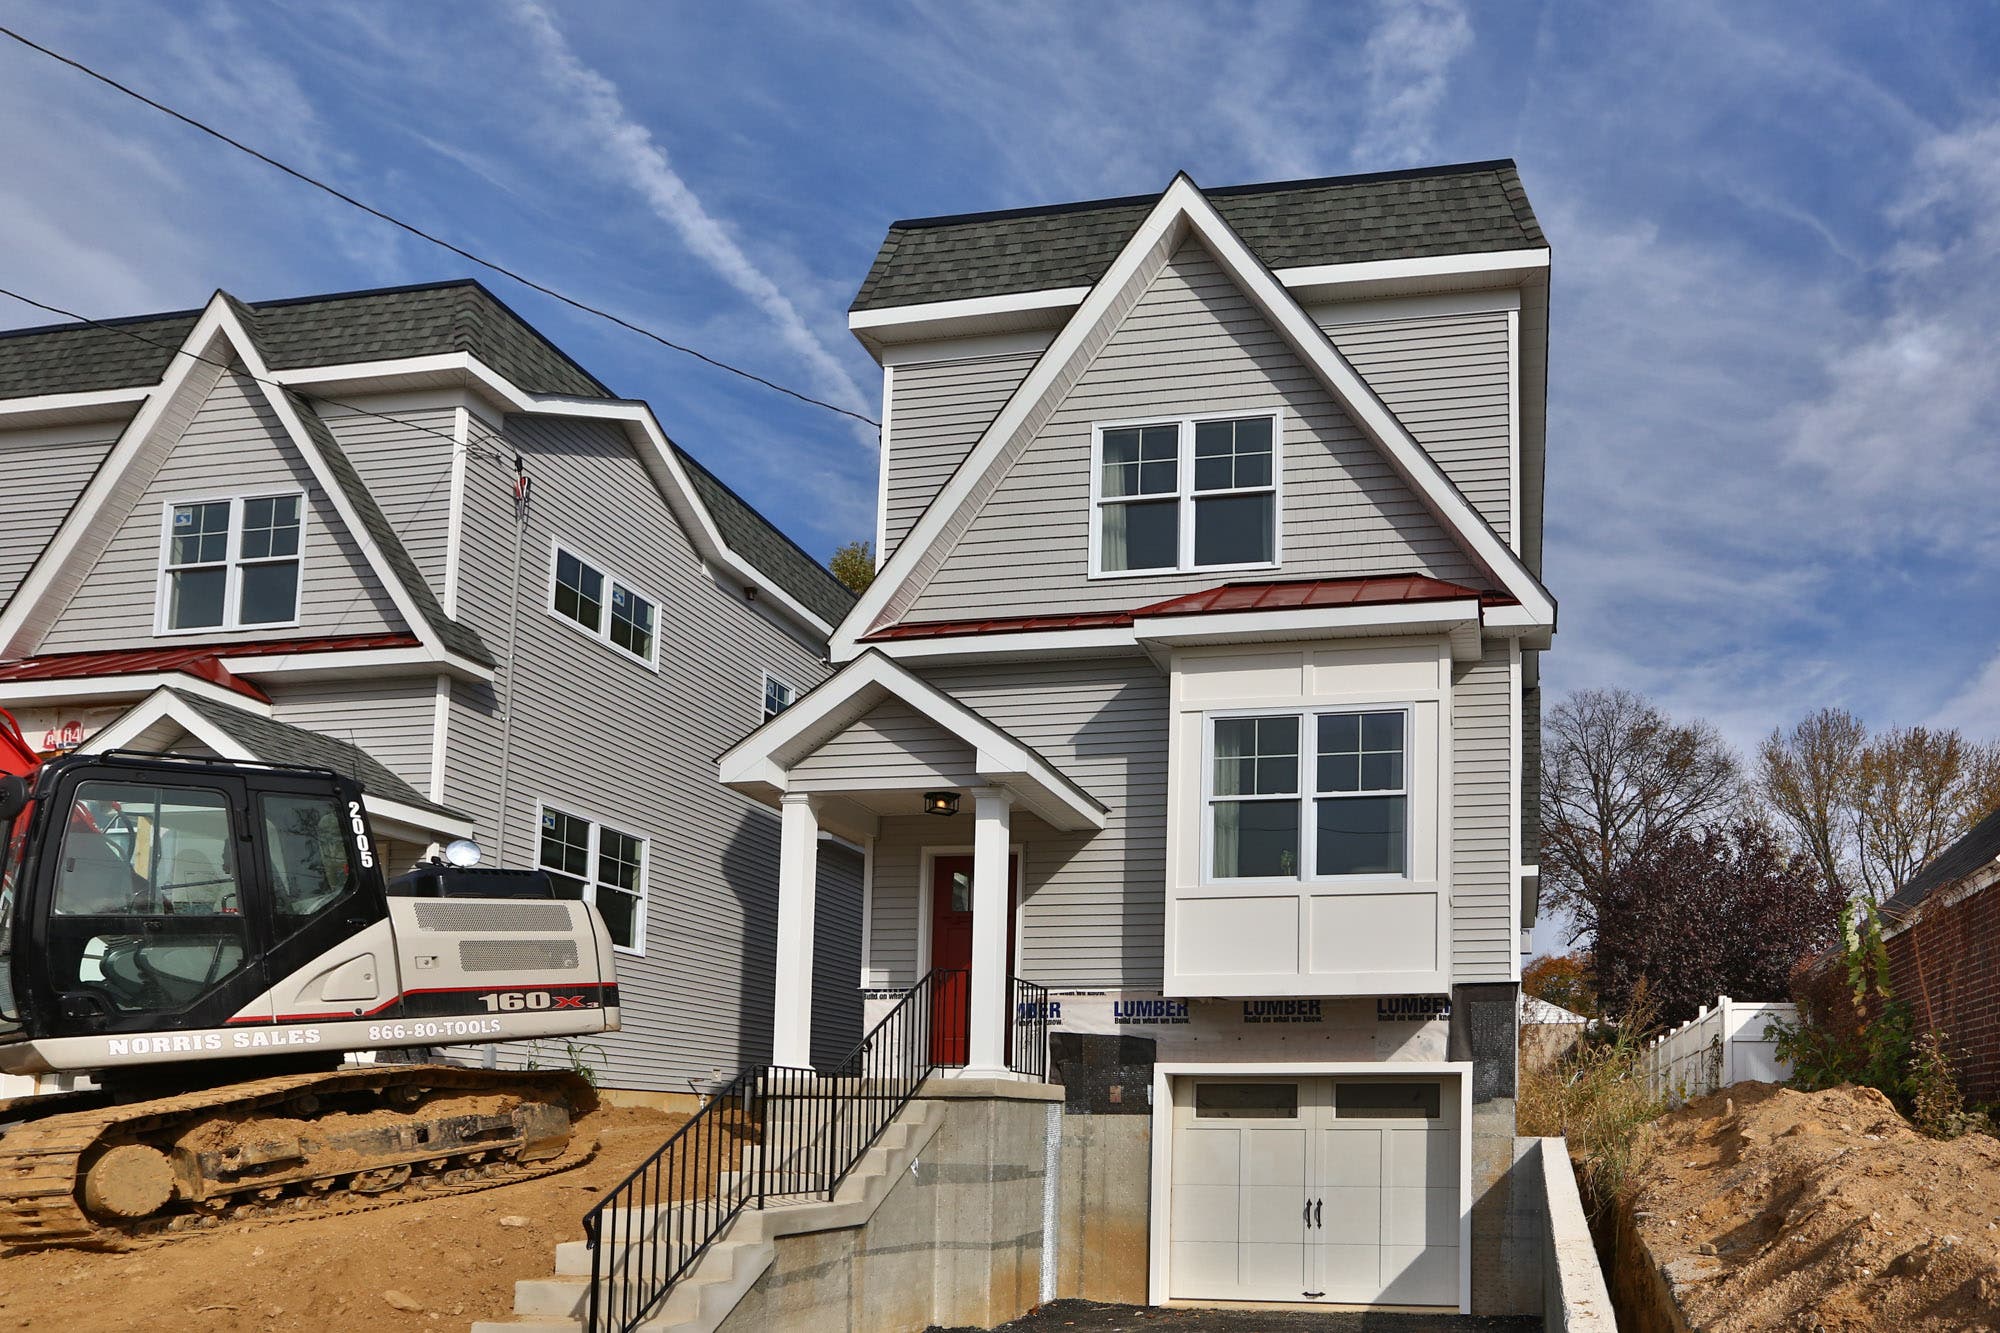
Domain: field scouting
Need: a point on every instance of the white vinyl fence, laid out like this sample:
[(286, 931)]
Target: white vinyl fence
[(1721, 1045)]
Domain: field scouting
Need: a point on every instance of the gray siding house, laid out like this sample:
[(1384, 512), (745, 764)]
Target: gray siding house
[(1209, 605), (401, 534)]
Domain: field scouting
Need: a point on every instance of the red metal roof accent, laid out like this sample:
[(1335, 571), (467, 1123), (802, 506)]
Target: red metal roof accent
[(206, 661), (1274, 595)]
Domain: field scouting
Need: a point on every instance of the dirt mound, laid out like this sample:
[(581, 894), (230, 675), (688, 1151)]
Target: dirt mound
[(1775, 1209), (454, 1259)]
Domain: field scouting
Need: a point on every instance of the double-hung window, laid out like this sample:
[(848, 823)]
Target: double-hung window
[(1200, 493), (605, 606), (778, 696), (231, 563), (600, 865), (1308, 795)]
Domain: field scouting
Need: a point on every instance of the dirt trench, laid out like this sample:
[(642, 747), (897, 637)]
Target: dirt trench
[(1761, 1208), (455, 1258)]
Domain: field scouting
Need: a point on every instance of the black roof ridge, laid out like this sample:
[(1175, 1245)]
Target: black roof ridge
[(761, 517), (1220, 191)]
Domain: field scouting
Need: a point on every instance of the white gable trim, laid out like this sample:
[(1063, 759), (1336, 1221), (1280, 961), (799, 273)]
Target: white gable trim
[(761, 763), (83, 690), (1184, 210)]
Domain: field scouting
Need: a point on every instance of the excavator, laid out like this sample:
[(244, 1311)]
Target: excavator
[(212, 942)]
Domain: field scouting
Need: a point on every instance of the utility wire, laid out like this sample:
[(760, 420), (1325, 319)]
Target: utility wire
[(245, 371), (434, 239)]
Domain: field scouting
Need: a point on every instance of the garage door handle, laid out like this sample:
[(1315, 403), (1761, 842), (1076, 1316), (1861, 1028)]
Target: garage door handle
[(1319, 1212), (1308, 1219)]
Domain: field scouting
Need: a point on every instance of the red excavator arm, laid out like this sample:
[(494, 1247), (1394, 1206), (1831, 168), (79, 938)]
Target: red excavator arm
[(16, 755)]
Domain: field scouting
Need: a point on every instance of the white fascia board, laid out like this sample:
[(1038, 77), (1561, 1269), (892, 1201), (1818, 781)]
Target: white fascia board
[(433, 825), (995, 647), (378, 661), (1519, 619), (113, 689), (640, 423), (1305, 622), (974, 307), (55, 408), (1502, 262)]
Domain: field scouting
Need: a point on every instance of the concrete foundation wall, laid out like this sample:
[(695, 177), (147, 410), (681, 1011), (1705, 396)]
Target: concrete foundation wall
[(957, 1242), (1104, 1209)]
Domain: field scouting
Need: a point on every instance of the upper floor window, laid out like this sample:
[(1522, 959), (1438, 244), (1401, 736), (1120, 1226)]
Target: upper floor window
[(231, 563), (778, 696), (606, 606), (599, 865), (1199, 493), (1276, 811)]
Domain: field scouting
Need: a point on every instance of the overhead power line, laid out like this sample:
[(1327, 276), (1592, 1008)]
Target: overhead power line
[(432, 237)]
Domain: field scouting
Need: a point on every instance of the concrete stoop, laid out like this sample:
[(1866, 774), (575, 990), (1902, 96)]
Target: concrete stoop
[(742, 1253)]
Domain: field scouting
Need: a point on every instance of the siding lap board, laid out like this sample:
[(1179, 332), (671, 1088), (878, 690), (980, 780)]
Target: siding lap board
[(392, 719), (938, 411), (1192, 343), (406, 464), (233, 443), (892, 743), (1485, 936), (42, 472)]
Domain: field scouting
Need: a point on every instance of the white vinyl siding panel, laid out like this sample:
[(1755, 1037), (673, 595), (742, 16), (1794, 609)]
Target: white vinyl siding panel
[(893, 743), (599, 734), (1092, 904), (1484, 934), (1192, 344), (234, 444), (939, 410), (1446, 379), (391, 718), (406, 463), (42, 472)]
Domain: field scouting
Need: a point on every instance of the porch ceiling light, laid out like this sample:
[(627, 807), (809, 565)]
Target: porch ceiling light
[(940, 802)]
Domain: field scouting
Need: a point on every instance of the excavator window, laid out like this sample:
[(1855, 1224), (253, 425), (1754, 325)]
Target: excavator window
[(147, 911), (310, 869)]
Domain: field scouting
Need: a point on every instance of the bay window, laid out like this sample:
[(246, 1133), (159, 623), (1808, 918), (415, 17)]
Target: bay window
[(1340, 809), (231, 563), (1198, 493)]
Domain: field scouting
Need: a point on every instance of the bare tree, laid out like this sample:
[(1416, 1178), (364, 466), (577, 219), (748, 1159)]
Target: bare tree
[(1871, 810), (1617, 775), (1809, 777)]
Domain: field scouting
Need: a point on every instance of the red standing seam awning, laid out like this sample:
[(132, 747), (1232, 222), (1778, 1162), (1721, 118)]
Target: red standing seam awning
[(208, 661)]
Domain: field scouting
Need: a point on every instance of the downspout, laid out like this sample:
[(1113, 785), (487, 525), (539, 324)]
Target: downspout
[(521, 490)]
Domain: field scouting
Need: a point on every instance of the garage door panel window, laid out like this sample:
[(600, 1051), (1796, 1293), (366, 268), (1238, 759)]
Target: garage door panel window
[(1357, 806), (601, 865), (1387, 1101), (1246, 1101)]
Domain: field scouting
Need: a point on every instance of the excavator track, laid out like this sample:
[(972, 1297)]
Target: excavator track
[(282, 1149)]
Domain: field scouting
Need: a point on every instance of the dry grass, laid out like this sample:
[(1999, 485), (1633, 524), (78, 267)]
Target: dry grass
[(1595, 1097)]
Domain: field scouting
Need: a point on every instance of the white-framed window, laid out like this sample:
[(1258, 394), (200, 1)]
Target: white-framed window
[(230, 562), (778, 695), (1308, 794), (1193, 493), (603, 605), (600, 865)]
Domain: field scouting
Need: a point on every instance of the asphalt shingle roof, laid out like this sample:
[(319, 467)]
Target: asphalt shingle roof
[(1980, 845), (388, 324), (282, 743), (1474, 207)]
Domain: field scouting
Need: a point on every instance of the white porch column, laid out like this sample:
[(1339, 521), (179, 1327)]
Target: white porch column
[(798, 883), (986, 1051)]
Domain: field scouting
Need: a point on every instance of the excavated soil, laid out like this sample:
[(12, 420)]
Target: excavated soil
[(456, 1258), (1776, 1209)]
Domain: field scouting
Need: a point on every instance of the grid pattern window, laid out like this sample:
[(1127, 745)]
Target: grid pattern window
[(604, 606), (1185, 495), (778, 696), (600, 865), (231, 563), (1346, 813)]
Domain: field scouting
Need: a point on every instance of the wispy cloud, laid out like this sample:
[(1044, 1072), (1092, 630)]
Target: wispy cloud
[(629, 149), (1409, 53)]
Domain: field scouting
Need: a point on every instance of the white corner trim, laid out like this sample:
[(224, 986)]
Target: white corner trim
[(440, 749), (882, 461), (454, 531)]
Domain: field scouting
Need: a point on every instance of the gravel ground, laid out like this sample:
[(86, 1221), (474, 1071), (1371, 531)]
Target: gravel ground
[(1090, 1317)]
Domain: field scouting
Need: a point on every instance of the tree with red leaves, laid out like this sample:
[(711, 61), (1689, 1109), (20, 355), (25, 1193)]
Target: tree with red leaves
[(1724, 910)]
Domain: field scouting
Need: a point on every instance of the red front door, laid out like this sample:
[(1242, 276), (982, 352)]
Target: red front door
[(951, 948)]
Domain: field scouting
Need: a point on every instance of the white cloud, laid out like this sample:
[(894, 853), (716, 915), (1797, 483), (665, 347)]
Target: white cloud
[(1412, 48), (630, 150)]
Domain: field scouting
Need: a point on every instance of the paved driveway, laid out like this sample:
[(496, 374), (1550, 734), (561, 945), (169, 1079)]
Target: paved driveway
[(1090, 1317)]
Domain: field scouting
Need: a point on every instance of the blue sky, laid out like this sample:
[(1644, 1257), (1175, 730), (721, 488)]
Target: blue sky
[(1774, 399)]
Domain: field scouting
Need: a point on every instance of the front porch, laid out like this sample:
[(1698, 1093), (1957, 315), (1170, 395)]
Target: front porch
[(948, 808)]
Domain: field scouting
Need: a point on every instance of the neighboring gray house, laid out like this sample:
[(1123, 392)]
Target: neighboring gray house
[(1211, 524), (290, 531)]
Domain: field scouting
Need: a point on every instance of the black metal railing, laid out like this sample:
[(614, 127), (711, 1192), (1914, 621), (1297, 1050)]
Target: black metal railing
[(774, 1134), (1028, 1038)]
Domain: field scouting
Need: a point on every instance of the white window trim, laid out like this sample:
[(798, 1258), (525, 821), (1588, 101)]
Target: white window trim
[(557, 548), (232, 562), (1306, 795), (1186, 494), (772, 678), (637, 948)]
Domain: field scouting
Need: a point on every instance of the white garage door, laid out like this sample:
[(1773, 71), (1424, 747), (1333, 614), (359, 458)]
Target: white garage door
[(1335, 1189)]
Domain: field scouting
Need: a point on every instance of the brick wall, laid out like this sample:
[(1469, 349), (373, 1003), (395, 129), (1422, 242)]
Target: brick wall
[(1946, 967)]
